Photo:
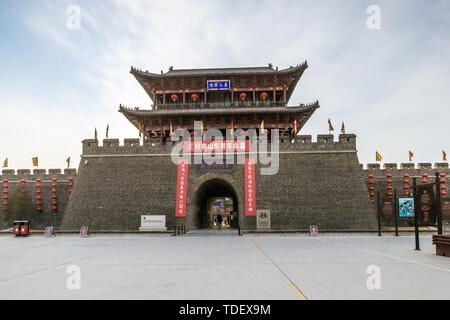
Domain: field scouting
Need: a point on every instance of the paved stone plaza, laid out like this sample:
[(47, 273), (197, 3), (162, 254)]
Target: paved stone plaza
[(222, 267)]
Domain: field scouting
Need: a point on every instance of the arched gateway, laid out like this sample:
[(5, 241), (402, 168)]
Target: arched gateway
[(214, 194)]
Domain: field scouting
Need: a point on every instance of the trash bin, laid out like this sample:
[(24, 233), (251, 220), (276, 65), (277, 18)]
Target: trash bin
[(21, 228)]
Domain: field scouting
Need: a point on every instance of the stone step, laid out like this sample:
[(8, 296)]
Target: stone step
[(212, 232)]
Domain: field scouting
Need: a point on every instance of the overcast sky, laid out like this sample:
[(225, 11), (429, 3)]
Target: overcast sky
[(391, 86)]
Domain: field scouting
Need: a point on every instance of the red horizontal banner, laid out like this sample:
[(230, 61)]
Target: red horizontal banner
[(180, 210), (217, 146), (250, 201)]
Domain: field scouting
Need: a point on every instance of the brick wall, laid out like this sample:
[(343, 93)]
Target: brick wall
[(318, 182), (47, 217)]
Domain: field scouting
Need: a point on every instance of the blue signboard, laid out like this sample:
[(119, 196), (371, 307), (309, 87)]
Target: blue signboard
[(406, 207), (218, 84)]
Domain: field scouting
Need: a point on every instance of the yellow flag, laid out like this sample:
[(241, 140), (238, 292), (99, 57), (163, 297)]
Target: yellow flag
[(295, 126), (68, 162), (411, 155), (140, 130), (343, 128), (444, 156), (35, 161), (330, 127), (5, 163), (378, 156), (95, 134), (171, 128)]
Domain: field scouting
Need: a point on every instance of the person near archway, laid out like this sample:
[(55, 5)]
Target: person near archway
[(219, 220)]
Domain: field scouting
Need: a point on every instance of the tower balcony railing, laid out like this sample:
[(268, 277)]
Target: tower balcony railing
[(216, 105)]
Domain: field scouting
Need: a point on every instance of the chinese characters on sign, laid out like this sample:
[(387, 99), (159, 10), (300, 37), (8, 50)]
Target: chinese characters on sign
[(180, 209), (216, 146), (250, 202), (218, 84)]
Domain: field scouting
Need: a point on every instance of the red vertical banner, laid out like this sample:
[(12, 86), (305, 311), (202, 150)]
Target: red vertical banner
[(250, 200), (180, 210)]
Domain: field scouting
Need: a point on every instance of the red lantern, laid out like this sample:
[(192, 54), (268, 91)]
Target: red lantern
[(174, 97), (389, 184), (194, 97), (264, 96), (243, 95)]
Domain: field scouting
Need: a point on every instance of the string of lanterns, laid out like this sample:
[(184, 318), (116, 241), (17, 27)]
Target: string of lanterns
[(5, 194), (38, 195), (70, 185), (406, 184), (443, 186), (54, 203), (242, 96), (372, 190), (389, 185)]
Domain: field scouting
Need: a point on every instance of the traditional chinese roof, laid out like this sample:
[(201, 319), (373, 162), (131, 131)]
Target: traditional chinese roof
[(133, 115), (218, 71), (290, 75)]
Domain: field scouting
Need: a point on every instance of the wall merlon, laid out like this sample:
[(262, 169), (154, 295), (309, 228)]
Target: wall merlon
[(131, 142), (407, 165), (306, 139), (39, 172), (325, 138), (390, 166), (441, 165), (110, 143), (70, 172), (54, 172), (424, 165), (8, 172), (23, 172), (373, 166)]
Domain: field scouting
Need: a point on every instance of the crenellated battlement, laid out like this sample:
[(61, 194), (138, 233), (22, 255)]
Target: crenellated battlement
[(324, 142), (395, 169), (29, 175)]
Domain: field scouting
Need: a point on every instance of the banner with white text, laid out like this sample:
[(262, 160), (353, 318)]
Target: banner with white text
[(180, 210), (250, 200)]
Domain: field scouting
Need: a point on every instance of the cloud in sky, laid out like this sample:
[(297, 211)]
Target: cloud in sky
[(390, 86)]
